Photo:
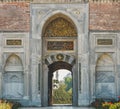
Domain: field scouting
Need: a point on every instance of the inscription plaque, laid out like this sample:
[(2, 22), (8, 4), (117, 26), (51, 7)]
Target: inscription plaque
[(13, 42), (60, 45), (104, 41)]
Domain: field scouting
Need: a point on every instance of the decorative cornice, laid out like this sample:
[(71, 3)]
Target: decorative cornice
[(46, 1), (15, 1), (104, 1), (58, 1)]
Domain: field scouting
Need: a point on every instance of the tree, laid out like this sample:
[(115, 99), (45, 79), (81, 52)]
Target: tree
[(68, 83)]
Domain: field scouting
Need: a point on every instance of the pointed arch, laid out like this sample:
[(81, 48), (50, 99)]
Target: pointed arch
[(59, 25), (105, 60), (105, 77), (13, 63)]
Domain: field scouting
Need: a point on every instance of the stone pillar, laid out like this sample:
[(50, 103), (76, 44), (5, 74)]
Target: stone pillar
[(84, 83), (1, 84), (35, 60), (26, 84), (34, 80), (92, 82)]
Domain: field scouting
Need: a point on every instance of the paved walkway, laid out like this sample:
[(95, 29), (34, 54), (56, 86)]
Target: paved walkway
[(58, 107)]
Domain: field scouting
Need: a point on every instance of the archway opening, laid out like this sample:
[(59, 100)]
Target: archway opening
[(59, 47), (62, 87), (60, 84)]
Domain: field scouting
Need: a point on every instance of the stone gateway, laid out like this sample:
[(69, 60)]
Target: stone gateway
[(40, 37)]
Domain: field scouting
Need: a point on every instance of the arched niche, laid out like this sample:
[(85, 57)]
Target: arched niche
[(13, 63), (13, 78), (105, 77)]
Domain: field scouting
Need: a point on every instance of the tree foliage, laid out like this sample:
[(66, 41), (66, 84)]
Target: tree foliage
[(63, 95)]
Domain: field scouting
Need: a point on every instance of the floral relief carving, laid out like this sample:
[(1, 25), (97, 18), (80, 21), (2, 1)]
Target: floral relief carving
[(60, 27)]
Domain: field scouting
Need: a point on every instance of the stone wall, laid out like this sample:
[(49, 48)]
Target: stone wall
[(104, 16), (14, 17)]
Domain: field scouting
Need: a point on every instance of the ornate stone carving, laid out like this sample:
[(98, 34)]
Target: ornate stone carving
[(104, 41), (60, 57), (13, 42), (60, 27), (60, 45), (105, 60), (76, 12), (14, 63)]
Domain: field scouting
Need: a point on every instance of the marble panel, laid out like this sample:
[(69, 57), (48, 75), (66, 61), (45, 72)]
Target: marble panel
[(105, 90), (104, 77)]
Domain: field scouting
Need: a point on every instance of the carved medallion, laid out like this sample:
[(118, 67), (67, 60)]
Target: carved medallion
[(60, 57)]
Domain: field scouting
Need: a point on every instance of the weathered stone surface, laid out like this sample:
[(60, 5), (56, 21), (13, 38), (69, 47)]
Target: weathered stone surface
[(104, 16), (14, 17)]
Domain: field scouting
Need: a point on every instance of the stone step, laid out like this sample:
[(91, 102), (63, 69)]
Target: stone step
[(57, 107)]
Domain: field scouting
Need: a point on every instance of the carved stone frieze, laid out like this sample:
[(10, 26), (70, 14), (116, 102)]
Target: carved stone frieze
[(60, 27)]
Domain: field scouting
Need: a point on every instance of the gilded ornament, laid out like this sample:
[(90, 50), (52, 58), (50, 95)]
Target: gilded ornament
[(60, 57), (60, 27)]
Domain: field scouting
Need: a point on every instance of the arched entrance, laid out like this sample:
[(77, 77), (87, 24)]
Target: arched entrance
[(56, 66), (59, 52)]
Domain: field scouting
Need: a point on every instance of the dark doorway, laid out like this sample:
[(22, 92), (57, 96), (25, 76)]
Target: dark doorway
[(60, 84)]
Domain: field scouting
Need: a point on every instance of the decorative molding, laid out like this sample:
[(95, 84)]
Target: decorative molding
[(53, 58), (60, 45), (59, 1), (77, 13), (13, 42), (105, 40)]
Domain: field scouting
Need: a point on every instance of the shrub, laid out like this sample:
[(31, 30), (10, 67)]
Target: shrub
[(7, 104), (109, 105), (16, 105), (106, 105)]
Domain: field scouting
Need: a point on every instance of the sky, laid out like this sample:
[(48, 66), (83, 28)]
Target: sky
[(61, 74)]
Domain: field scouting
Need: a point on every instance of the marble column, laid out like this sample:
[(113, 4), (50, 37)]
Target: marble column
[(1, 84), (26, 84)]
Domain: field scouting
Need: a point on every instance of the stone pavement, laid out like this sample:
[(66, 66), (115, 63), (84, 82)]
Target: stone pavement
[(58, 107)]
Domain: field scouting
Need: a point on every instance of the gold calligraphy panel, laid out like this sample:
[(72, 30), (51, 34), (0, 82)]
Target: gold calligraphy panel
[(13, 42), (60, 27), (60, 45), (104, 41)]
